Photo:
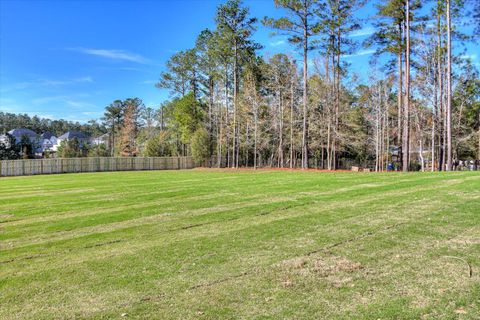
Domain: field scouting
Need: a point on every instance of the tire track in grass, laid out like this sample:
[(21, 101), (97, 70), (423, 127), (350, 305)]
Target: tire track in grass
[(255, 222), (170, 216)]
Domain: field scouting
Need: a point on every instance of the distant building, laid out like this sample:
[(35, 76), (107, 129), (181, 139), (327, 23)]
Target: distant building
[(31, 135), (4, 140), (19, 133), (103, 139), (48, 141), (81, 137)]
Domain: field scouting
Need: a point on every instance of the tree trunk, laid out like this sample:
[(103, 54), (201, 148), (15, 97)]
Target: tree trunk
[(219, 128), (226, 128), (449, 89), (280, 132), (210, 115), (337, 80), (400, 98), (406, 127), (434, 120), (112, 140), (235, 91), (292, 99), (255, 114), (305, 87), (478, 151)]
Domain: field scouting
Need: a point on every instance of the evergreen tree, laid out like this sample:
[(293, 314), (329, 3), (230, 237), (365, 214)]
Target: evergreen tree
[(235, 28)]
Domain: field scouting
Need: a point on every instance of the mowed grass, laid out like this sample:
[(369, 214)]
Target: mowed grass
[(203, 244)]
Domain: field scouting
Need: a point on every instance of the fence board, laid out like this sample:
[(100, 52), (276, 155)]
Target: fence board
[(75, 165)]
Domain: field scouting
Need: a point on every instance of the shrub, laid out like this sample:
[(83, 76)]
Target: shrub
[(98, 151), (158, 146), (200, 146)]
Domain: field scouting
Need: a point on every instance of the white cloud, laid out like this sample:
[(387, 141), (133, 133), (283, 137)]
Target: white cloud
[(469, 56), (91, 113), (10, 105), (277, 43), (362, 32), (54, 83), (79, 104), (45, 100), (83, 79), (45, 82), (58, 98), (113, 54), (74, 102), (359, 53), (148, 82)]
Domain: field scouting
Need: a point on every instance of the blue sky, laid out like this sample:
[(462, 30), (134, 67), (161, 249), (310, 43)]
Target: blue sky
[(69, 59)]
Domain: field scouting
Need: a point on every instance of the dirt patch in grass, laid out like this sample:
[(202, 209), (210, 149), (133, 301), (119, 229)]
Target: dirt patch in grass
[(334, 265), (336, 271)]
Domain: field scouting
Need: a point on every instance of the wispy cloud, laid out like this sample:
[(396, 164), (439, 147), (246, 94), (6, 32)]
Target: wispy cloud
[(359, 53), (113, 54), (277, 43), (74, 101), (34, 108), (148, 82), (362, 32), (59, 98), (92, 113), (54, 83), (45, 82), (469, 56), (83, 79), (10, 105), (46, 100), (79, 104)]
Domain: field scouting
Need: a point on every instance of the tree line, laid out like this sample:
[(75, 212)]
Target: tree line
[(419, 108), (9, 121)]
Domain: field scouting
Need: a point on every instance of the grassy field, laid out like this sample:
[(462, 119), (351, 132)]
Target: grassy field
[(222, 245)]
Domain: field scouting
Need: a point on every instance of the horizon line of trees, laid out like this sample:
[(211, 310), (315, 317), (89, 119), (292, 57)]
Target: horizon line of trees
[(9, 121), (418, 110)]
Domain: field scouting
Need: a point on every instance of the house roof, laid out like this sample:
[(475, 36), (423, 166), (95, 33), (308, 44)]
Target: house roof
[(47, 135), (20, 132), (72, 134), (47, 141), (103, 137)]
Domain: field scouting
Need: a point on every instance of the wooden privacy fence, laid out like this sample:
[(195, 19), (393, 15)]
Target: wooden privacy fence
[(75, 165)]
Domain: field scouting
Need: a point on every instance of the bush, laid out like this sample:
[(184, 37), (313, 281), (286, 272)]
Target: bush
[(200, 146), (71, 149), (9, 150), (98, 151), (27, 149), (415, 166), (158, 146)]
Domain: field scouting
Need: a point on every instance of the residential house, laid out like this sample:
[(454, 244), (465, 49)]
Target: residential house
[(103, 139), (81, 137), (4, 140), (32, 136), (48, 141)]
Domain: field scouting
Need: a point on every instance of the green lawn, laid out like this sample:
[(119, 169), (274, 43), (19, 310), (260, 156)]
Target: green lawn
[(223, 245)]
